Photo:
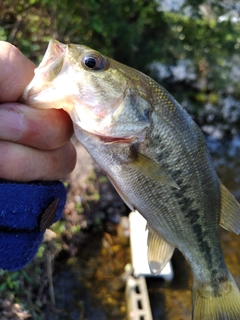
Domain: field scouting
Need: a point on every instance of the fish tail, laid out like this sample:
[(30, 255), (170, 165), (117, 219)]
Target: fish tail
[(216, 302)]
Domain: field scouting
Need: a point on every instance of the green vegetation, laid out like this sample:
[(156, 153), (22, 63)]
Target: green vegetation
[(199, 37), (138, 33), (25, 288)]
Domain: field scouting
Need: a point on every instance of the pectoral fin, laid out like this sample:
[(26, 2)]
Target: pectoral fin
[(159, 251), (230, 211), (152, 170)]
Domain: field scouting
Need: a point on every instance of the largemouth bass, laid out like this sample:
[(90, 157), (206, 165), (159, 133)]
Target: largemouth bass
[(155, 156)]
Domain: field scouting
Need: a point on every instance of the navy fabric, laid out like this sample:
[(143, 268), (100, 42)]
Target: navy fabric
[(21, 208)]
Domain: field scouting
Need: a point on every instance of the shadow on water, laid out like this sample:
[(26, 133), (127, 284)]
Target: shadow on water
[(91, 285), (75, 287), (73, 299)]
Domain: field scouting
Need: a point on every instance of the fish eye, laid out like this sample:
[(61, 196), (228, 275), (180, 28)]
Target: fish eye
[(93, 61)]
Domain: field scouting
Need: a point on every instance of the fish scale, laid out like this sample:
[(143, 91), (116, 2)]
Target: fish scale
[(156, 158), (154, 196)]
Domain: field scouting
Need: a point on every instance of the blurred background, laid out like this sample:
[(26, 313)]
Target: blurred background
[(191, 47)]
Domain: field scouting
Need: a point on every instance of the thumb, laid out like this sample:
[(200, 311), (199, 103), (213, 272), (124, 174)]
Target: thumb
[(16, 72)]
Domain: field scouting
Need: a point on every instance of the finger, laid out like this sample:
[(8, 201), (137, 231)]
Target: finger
[(42, 129), (16, 72), (22, 163)]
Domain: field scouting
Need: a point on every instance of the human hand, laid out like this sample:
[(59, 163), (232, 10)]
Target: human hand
[(34, 144)]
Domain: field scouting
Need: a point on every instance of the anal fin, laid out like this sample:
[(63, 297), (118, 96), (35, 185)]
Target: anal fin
[(159, 251), (230, 211)]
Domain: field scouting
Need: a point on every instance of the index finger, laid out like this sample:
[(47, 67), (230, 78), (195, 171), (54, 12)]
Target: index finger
[(16, 72)]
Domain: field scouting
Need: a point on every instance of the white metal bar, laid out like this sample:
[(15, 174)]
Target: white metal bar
[(138, 306), (138, 241)]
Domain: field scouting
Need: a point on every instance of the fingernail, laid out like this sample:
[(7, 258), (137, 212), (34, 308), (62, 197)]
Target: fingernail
[(11, 124)]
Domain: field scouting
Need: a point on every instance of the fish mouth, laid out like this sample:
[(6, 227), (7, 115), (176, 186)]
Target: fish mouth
[(52, 59), (55, 51), (45, 73)]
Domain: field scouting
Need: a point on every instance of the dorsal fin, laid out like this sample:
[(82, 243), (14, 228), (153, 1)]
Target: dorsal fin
[(230, 211), (159, 251)]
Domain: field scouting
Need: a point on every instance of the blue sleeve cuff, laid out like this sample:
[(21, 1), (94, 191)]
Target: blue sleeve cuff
[(26, 210)]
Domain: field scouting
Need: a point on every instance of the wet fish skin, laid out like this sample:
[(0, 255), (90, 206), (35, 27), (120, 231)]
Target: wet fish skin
[(157, 159), (177, 214)]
